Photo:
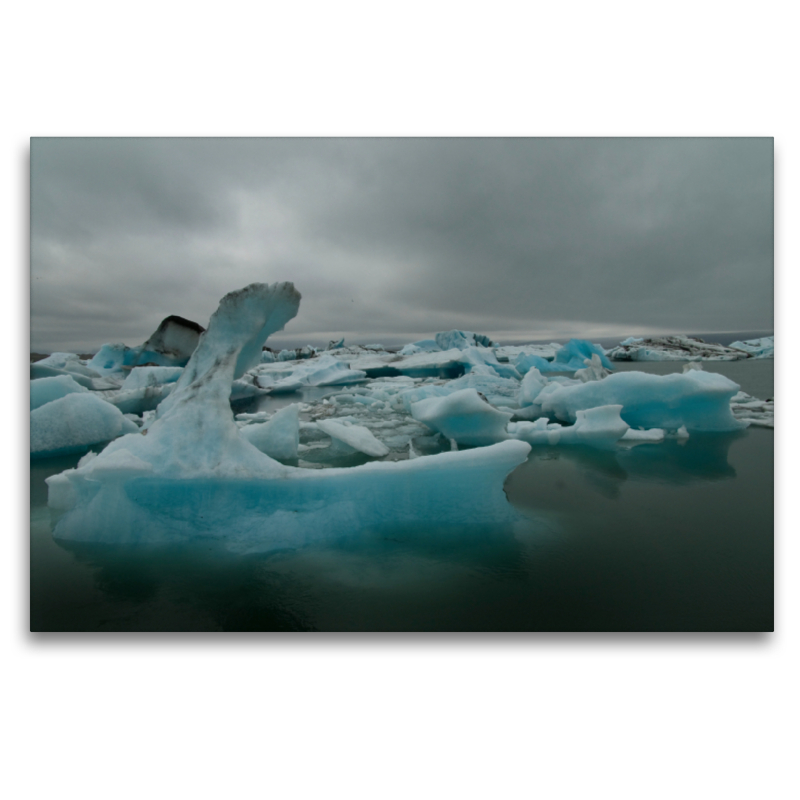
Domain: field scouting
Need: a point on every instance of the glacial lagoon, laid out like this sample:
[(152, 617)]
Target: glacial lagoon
[(670, 536)]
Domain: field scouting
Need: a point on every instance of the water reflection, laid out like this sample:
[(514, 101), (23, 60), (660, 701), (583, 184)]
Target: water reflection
[(554, 470)]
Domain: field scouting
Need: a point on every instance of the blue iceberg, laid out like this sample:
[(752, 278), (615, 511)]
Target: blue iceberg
[(191, 473)]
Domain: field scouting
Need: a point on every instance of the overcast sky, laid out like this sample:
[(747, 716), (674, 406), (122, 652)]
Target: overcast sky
[(391, 240)]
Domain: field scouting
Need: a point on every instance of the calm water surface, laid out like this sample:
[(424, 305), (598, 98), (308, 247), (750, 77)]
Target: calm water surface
[(659, 537)]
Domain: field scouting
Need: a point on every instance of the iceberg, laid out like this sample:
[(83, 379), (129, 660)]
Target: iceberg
[(192, 474), (673, 348), (698, 400), (279, 437), (74, 423), (482, 357), (171, 344), (141, 377), (355, 437), (463, 416), (461, 340), (527, 361), (599, 427), (573, 354), (45, 390), (324, 370), (756, 348)]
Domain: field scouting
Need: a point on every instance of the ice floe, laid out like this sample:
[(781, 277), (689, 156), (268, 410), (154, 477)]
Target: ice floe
[(674, 348)]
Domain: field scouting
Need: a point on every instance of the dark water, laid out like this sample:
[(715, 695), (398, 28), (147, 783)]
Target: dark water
[(665, 537)]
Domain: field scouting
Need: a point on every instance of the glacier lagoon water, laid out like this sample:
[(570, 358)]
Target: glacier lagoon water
[(660, 537)]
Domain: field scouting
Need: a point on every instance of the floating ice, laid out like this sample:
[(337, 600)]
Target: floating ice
[(752, 411), (74, 423), (192, 473), (279, 437), (596, 427), (141, 377), (651, 436), (137, 401), (324, 370), (698, 400), (593, 371), (527, 361), (356, 437), (423, 346), (482, 357), (531, 387), (463, 416), (461, 340), (572, 355), (171, 344), (757, 348), (45, 390), (672, 348)]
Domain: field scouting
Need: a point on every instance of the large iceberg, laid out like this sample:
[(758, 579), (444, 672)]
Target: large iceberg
[(191, 473), (696, 400), (674, 348)]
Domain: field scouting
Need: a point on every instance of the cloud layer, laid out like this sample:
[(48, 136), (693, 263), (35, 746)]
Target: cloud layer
[(393, 239)]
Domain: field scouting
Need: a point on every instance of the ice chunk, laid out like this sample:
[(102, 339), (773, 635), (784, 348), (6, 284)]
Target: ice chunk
[(171, 344), (423, 346), (74, 423), (633, 436), (355, 436), (595, 427), (464, 416), (460, 340), (571, 356), (700, 401), (207, 480), (527, 361), (532, 385), (45, 390), (111, 358), (475, 356), (41, 370), (752, 411), (140, 377), (673, 348), (137, 401), (757, 348), (593, 371), (280, 436), (455, 489)]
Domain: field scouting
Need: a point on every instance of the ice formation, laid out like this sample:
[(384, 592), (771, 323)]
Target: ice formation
[(279, 437), (74, 423), (179, 465), (601, 426), (756, 348), (572, 356), (674, 348), (464, 416), (355, 437), (45, 390), (191, 472), (698, 400)]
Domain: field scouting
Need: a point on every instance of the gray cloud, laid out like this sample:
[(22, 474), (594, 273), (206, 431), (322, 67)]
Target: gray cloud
[(398, 238)]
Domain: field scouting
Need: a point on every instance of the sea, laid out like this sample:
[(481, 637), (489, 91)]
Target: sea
[(676, 536)]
